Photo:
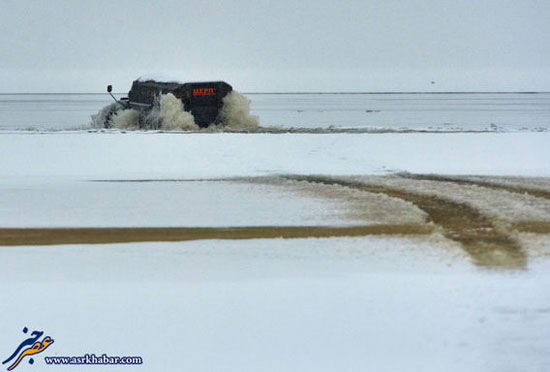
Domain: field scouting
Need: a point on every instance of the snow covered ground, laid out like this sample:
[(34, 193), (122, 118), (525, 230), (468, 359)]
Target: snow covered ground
[(426, 302), (374, 303), (142, 155)]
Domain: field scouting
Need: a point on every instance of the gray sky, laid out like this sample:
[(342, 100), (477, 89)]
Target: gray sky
[(258, 45)]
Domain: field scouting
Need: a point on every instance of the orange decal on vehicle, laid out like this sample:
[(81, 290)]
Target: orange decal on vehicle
[(204, 92)]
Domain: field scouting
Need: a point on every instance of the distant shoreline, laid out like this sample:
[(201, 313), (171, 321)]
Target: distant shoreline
[(288, 93)]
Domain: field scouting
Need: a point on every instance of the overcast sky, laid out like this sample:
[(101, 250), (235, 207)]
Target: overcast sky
[(258, 45)]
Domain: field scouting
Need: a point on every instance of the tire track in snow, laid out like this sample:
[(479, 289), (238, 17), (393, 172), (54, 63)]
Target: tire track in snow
[(540, 193), (57, 236), (478, 235)]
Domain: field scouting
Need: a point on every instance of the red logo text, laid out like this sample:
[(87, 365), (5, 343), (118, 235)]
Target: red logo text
[(204, 92)]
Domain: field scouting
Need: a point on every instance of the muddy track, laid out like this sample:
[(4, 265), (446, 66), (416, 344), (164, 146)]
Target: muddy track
[(491, 185), (54, 236), (480, 238), (536, 227)]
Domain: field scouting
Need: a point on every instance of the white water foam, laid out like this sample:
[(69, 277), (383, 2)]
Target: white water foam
[(235, 112), (173, 114), (103, 119), (126, 119), (168, 113)]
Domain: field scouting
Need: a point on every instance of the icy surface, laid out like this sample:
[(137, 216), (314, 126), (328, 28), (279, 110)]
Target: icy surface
[(49, 111), (89, 156), (388, 304), (204, 204), (438, 112), (396, 112)]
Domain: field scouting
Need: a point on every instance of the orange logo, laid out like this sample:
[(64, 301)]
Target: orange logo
[(204, 92)]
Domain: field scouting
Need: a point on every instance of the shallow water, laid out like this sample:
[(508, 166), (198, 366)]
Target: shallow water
[(508, 112)]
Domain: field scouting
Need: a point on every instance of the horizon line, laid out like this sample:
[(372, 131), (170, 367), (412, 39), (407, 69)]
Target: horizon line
[(300, 92)]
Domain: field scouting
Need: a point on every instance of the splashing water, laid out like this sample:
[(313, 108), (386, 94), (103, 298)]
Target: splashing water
[(235, 112), (173, 115), (103, 119), (126, 119), (168, 113)]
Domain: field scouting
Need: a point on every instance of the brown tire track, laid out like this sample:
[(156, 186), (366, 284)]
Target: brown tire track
[(460, 222), (491, 185), (55, 236), (536, 227)]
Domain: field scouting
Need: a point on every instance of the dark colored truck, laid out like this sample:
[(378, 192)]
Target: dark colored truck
[(203, 99)]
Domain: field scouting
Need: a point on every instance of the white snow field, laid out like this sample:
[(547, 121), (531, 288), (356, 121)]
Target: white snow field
[(427, 301), (84, 156), (355, 304)]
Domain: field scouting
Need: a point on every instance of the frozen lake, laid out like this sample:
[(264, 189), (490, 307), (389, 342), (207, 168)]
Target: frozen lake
[(385, 112), (292, 251)]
